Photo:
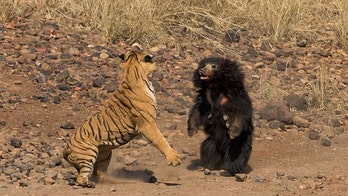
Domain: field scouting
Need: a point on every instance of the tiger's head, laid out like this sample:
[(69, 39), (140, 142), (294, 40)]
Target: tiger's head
[(140, 62)]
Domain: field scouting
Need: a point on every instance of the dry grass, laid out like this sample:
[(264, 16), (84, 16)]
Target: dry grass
[(10, 9), (158, 20), (342, 21)]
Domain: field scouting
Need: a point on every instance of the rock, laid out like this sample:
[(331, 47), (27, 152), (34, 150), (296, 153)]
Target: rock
[(63, 87), (301, 43), (10, 170), (325, 142), (232, 36), (206, 171), (56, 100), (265, 46), (296, 101), (2, 123), (16, 142), (280, 174), (241, 177), (313, 135), (185, 150), (67, 125), (128, 160), (142, 142), (98, 82), (257, 178), (275, 124), (269, 56), (112, 189), (65, 56), (152, 179), (51, 174), (23, 183), (42, 97), (335, 122), (276, 111), (48, 181), (300, 122), (74, 52), (282, 64), (104, 55)]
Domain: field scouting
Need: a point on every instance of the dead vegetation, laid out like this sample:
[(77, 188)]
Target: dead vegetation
[(154, 20)]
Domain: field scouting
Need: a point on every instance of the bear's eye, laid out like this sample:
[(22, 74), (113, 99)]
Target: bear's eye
[(214, 66)]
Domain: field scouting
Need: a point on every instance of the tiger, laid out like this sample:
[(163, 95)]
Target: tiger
[(128, 112)]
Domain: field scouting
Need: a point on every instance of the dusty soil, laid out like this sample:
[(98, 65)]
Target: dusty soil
[(52, 78)]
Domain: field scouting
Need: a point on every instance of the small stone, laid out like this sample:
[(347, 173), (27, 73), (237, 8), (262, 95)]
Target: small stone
[(241, 177), (128, 160), (113, 189), (51, 174), (48, 181), (325, 142), (74, 51), (275, 124), (280, 174), (232, 36), (65, 56), (335, 122), (282, 65), (67, 125), (313, 135), (300, 122), (10, 170), (63, 87), (142, 142), (2, 123), (103, 56), (258, 179), (56, 100), (98, 82), (185, 150), (152, 179), (301, 43), (16, 142), (207, 171), (23, 183)]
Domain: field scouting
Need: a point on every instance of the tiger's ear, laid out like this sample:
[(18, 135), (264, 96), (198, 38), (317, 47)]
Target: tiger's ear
[(121, 56), (148, 58)]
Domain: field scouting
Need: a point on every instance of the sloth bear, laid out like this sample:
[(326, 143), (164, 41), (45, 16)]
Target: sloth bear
[(223, 110)]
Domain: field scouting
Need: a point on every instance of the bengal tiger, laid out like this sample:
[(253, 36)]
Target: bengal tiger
[(129, 111)]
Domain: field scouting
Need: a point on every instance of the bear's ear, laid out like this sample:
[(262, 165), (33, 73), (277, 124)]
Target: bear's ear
[(121, 56)]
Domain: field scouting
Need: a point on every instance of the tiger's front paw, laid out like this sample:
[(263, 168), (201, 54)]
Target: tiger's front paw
[(84, 182), (173, 158)]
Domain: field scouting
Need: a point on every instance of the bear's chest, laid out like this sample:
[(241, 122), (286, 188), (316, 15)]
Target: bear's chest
[(208, 94)]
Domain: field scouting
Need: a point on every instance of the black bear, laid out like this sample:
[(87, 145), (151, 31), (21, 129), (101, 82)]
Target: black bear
[(223, 110)]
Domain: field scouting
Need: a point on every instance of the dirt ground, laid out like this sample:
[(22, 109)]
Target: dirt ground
[(34, 104)]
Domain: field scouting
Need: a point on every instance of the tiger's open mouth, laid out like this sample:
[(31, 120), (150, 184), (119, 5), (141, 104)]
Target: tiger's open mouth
[(203, 76)]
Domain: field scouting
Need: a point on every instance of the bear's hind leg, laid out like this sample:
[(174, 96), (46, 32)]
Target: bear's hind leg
[(211, 158)]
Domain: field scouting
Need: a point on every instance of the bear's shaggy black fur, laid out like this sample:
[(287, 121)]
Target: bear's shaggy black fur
[(223, 110)]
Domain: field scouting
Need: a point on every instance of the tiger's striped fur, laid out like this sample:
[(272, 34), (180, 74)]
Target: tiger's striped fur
[(130, 111)]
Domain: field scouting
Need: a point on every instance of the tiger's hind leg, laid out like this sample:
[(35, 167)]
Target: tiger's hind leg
[(84, 162), (101, 165)]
